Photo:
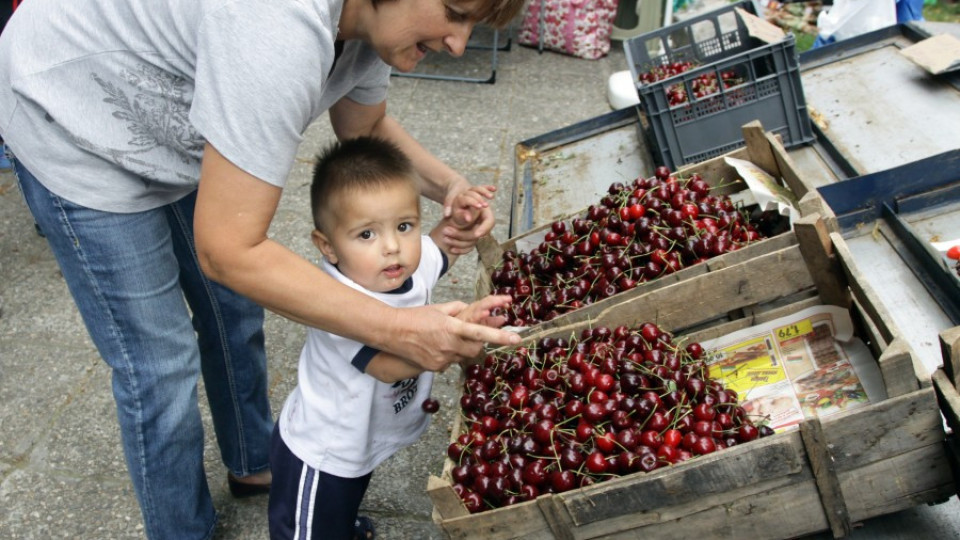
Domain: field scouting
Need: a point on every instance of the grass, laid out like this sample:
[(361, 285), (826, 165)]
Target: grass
[(942, 11)]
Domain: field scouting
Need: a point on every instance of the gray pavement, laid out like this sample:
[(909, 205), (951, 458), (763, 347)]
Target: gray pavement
[(62, 474)]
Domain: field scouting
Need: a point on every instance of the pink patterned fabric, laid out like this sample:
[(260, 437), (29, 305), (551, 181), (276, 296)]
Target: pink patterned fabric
[(577, 27)]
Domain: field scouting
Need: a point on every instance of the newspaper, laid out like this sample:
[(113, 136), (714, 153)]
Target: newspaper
[(804, 365)]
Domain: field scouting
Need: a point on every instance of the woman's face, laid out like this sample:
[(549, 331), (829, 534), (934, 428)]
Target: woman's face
[(404, 31)]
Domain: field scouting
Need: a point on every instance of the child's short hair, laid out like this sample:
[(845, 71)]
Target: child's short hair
[(357, 164)]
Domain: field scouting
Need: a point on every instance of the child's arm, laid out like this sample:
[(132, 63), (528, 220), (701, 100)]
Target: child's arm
[(389, 368), (467, 210)]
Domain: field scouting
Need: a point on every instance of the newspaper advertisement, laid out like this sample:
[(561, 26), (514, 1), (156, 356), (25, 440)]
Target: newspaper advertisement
[(804, 365)]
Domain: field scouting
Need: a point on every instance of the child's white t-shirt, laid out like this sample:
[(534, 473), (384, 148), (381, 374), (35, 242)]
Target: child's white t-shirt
[(342, 421)]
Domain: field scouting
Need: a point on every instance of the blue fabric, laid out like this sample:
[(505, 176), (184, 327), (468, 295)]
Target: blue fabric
[(821, 41), (129, 275), (332, 501), (909, 10)]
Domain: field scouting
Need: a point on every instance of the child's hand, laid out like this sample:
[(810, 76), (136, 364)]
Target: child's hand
[(481, 311), (468, 217), (467, 205)]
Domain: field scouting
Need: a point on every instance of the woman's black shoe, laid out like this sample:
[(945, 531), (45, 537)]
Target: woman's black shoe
[(242, 490)]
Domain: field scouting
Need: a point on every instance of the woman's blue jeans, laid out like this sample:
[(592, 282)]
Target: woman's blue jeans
[(129, 275)]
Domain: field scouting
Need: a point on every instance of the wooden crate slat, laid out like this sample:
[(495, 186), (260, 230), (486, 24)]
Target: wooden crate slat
[(708, 475), (520, 521), (749, 252), (702, 298), (788, 172), (900, 368), (778, 510), (948, 398), (950, 347), (892, 426), (445, 500), (817, 249), (919, 476), (759, 149), (825, 472)]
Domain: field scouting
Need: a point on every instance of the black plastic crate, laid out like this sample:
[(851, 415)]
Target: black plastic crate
[(760, 81)]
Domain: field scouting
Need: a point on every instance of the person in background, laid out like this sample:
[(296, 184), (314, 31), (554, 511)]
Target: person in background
[(354, 406), (151, 142)]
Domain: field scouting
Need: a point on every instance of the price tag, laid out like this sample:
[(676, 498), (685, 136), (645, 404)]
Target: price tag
[(791, 331)]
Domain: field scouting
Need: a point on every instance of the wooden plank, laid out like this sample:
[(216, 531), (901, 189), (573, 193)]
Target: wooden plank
[(788, 507), (948, 398), (484, 286), (828, 484), (489, 250), (561, 525), (751, 251), (754, 317), (713, 475), (788, 172), (445, 500), (758, 148), (893, 426), (813, 203), (817, 249), (715, 170), (863, 326), (898, 366), (520, 521), (950, 346), (902, 481), (702, 298)]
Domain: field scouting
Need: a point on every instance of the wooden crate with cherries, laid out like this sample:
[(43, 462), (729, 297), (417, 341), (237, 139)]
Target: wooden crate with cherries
[(824, 474), (646, 234)]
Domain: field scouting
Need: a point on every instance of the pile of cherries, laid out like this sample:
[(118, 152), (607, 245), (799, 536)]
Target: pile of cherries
[(565, 414), (703, 85), (638, 232)]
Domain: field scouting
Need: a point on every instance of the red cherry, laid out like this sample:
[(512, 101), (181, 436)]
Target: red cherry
[(563, 480), (672, 437), (472, 501), (606, 443), (704, 445), (668, 454), (703, 411), (954, 252), (747, 432), (596, 462)]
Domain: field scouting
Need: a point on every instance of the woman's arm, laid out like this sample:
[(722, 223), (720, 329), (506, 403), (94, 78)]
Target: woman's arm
[(233, 214)]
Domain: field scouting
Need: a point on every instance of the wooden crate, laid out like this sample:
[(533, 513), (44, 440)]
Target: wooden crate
[(762, 149), (945, 382), (829, 474)]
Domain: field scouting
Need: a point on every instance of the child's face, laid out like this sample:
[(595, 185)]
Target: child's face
[(374, 236)]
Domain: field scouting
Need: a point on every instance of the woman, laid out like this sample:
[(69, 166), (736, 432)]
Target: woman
[(151, 141)]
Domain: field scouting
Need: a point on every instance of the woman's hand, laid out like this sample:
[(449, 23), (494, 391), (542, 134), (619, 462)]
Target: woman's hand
[(435, 336)]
